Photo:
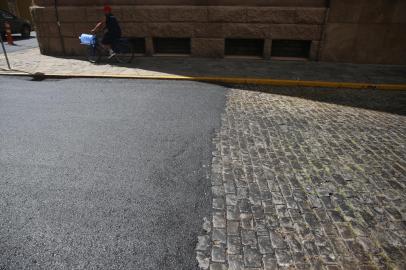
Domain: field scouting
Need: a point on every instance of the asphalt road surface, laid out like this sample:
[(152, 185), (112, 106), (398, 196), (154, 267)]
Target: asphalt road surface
[(104, 174), (21, 44)]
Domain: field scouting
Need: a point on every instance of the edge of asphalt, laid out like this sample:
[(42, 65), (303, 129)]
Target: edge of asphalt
[(229, 80)]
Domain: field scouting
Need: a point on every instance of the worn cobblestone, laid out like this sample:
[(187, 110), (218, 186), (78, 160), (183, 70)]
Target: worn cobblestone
[(301, 184)]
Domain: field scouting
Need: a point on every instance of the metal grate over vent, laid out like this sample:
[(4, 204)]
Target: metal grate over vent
[(172, 45), (244, 47), (291, 48), (139, 45)]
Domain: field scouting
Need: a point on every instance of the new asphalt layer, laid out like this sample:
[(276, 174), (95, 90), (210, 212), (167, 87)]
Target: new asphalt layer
[(104, 174)]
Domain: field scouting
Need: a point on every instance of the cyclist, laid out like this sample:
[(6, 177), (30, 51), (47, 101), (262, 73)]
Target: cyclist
[(112, 30)]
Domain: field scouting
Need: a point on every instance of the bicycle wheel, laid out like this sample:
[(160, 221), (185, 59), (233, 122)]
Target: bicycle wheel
[(125, 52), (93, 54)]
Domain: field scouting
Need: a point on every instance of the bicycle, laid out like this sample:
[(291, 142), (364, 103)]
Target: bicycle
[(123, 49)]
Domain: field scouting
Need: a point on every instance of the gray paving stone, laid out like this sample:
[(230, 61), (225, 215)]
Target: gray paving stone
[(234, 245), (218, 254), (269, 262), (252, 258), (203, 243), (218, 204), (218, 266), (235, 262), (265, 245), (232, 212), (233, 228), (203, 260), (283, 257), (219, 221), (248, 238), (278, 240), (219, 236)]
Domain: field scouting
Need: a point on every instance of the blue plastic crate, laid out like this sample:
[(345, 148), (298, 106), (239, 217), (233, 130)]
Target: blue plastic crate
[(87, 39)]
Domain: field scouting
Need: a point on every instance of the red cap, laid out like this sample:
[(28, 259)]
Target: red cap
[(107, 9)]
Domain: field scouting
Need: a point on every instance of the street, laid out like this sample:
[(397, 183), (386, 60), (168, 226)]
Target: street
[(104, 174), (158, 174)]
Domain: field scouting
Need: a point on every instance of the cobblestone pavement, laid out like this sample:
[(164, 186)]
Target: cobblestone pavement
[(300, 184), (32, 61)]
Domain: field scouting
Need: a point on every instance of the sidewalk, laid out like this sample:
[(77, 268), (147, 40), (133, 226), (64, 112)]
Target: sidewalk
[(31, 61)]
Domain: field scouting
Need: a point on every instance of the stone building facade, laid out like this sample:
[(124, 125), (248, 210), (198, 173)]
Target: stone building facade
[(358, 31)]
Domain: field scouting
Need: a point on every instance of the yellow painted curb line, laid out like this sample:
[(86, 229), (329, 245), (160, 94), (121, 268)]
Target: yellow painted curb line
[(233, 80)]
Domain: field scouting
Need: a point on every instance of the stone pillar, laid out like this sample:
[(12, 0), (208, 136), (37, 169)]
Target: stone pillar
[(267, 48), (149, 46)]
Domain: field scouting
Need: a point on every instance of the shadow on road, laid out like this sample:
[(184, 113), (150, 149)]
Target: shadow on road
[(261, 68), (19, 37), (378, 100), (387, 101)]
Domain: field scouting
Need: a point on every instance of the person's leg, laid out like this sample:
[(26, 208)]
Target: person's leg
[(107, 42)]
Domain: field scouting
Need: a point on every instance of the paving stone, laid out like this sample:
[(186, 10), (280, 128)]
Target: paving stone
[(218, 203), (248, 238), (231, 199), (333, 267), (252, 258), (233, 228), (219, 236), (219, 221), (269, 262), (218, 254), (345, 230), (203, 260), (265, 245), (247, 221), (278, 241), (218, 266), (244, 205), (235, 262), (233, 213), (261, 227), (340, 248), (234, 245), (203, 243), (217, 191), (206, 225), (302, 266), (283, 257), (358, 251)]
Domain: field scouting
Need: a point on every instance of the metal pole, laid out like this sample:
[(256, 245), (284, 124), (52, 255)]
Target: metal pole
[(58, 23), (5, 53), (323, 31)]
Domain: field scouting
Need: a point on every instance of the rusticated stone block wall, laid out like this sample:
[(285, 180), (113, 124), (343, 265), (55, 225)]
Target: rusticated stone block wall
[(206, 25), (358, 31), (366, 31)]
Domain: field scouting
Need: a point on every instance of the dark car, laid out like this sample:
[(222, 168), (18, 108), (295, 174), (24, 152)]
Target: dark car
[(18, 25)]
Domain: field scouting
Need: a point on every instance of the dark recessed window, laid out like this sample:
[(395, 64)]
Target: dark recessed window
[(291, 48), (139, 45), (244, 47), (172, 45)]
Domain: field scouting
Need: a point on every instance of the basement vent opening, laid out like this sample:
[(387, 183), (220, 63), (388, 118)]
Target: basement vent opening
[(139, 45), (172, 46), (244, 47), (291, 48)]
